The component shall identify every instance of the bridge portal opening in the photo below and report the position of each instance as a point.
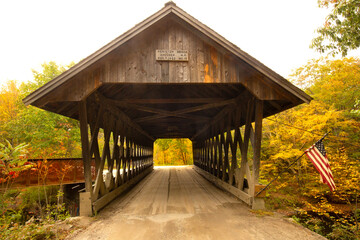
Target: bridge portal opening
(173, 152)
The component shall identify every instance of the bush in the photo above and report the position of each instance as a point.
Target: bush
(25, 213)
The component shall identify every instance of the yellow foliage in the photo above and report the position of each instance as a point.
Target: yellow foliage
(173, 152)
(334, 85)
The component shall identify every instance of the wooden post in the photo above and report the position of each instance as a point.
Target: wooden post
(85, 146)
(257, 203)
(216, 159)
(85, 198)
(222, 157)
(257, 139)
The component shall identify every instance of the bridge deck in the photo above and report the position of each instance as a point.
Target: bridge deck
(177, 203)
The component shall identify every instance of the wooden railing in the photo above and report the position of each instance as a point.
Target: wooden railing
(52, 172)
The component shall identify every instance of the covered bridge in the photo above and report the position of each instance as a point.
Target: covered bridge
(170, 76)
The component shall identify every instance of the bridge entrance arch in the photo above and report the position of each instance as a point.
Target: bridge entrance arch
(168, 77)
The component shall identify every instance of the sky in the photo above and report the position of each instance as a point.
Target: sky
(277, 33)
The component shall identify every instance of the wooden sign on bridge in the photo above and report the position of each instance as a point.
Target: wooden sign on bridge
(172, 55)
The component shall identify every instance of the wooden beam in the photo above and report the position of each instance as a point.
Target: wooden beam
(118, 113)
(275, 105)
(64, 106)
(179, 113)
(216, 119)
(221, 115)
(72, 111)
(95, 149)
(244, 168)
(259, 105)
(164, 115)
(85, 145)
(99, 176)
(226, 186)
(179, 123)
(170, 100)
(95, 131)
(103, 201)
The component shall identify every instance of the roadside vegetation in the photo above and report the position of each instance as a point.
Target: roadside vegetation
(26, 133)
(334, 85)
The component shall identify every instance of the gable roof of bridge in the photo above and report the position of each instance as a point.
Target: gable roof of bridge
(41, 97)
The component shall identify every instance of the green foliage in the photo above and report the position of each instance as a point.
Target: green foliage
(12, 162)
(32, 133)
(341, 31)
(31, 231)
(342, 232)
(21, 213)
(12, 158)
(48, 134)
(330, 227)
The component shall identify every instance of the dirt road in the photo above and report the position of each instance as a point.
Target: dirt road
(177, 203)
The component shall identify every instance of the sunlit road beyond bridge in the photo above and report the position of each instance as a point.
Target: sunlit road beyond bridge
(178, 203)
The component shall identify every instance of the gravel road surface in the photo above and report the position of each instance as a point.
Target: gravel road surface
(177, 203)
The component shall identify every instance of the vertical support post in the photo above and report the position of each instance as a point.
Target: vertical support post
(85, 198)
(257, 139)
(211, 160)
(217, 154)
(258, 203)
(220, 157)
(223, 156)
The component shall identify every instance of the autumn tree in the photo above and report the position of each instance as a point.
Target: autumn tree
(173, 152)
(12, 162)
(341, 30)
(48, 134)
(163, 145)
(184, 149)
(334, 86)
(9, 108)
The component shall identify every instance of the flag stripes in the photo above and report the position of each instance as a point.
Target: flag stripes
(318, 157)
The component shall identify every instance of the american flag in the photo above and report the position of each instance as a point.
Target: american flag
(317, 155)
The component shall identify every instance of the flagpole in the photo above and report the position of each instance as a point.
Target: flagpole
(279, 174)
(288, 167)
(322, 137)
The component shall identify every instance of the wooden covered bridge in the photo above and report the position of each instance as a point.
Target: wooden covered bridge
(170, 76)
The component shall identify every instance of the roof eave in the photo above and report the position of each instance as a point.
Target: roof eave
(242, 55)
(62, 78)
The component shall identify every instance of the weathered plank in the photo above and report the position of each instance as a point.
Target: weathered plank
(85, 145)
(226, 186)
(103, 201)
(257, 141)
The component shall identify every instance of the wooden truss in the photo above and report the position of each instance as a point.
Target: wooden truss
(218, 155)
(126, 155)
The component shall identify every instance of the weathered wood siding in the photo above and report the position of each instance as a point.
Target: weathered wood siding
(136, 61)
